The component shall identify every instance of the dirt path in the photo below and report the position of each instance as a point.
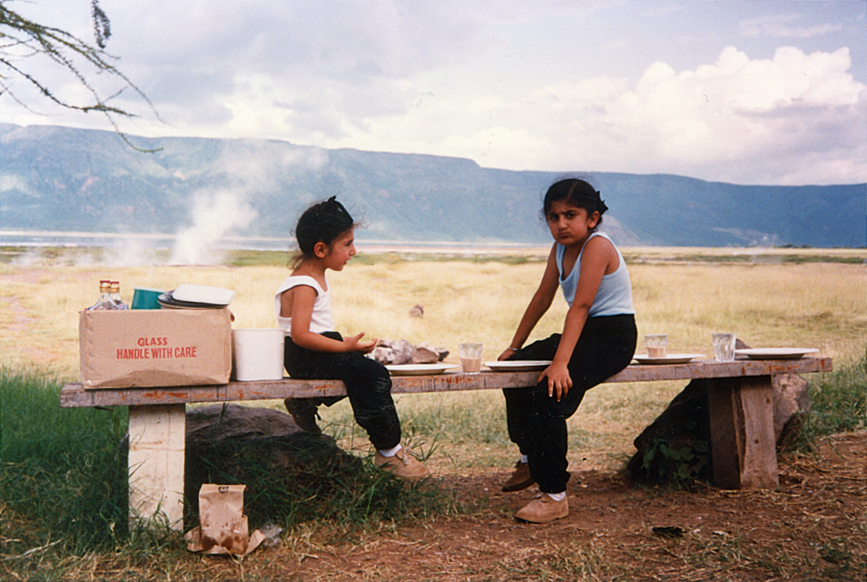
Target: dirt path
(811, 528)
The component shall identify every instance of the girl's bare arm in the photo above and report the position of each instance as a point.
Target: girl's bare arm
(538, 306)
(299, 302)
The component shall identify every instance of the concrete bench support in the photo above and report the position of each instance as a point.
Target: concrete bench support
(156, 464)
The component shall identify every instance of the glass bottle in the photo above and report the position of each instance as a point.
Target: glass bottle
(105, 301)
(114, 292)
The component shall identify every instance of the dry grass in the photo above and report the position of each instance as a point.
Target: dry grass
(470, 296)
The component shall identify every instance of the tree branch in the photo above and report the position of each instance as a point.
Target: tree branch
(22, 39)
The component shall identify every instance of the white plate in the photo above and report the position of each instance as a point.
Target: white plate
(203, 294)
(518, 365)
(775, 353)
(668, 359)
(417, 369)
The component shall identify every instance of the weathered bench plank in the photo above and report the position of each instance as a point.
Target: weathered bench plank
(74, 395)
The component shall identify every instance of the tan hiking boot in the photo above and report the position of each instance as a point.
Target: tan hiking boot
(304, 413)
(402, 465)
(520, 479)
(543, 510)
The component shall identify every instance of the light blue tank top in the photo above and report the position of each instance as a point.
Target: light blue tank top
(614, 296)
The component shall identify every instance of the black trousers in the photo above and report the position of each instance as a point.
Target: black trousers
(368, 386)
(537, 422)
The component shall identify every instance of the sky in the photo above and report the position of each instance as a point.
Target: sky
(747, 92)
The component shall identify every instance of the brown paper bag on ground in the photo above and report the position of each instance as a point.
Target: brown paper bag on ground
(223, 527)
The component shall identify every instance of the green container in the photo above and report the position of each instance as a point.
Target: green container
(146, 298)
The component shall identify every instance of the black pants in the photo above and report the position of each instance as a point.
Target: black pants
(368, 386)
(537, 422)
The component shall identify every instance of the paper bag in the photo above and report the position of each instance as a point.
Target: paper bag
(223, 527)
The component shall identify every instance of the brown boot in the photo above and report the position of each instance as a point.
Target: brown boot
(402, 465)
(520, 479)
(543, 510)
(304, 413)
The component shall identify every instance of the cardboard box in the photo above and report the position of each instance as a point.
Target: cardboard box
(166, 347)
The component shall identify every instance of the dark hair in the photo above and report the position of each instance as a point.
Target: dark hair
(323, 222)
(577, 192)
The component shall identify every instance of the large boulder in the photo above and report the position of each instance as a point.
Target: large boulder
(232, 444)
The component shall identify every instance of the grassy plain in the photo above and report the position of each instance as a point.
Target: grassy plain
(770, 298)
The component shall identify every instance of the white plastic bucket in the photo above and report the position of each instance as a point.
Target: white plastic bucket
(257, 354)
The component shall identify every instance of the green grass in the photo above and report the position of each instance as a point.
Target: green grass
(63, 482)
(63, 473)
(838, 403)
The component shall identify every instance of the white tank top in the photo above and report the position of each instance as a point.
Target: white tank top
(321, 319)
(614, 296)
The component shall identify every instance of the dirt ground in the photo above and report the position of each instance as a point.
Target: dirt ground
(811, 528)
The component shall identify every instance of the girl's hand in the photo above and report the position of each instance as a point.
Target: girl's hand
(507, 353)
(559, 380)
(354, 344)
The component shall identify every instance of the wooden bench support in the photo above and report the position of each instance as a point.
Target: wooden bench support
(743, 447)
(157, 436)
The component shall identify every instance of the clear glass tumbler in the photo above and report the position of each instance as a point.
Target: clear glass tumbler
(471, 357)
(724, 347)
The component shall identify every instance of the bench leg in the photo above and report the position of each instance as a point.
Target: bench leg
(743, 446)
(156, 465)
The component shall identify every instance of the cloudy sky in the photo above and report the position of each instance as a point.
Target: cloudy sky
(750, 92)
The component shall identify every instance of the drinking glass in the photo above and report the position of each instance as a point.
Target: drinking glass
(656, 344)
(724, 347)
(471, 357)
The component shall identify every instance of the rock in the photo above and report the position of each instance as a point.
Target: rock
(400, 352)
(425, 354)
(236, 444)
(215, 423)
(416, 311)
(403, 352)
(676, 446)
(791, 402)
(384, 355)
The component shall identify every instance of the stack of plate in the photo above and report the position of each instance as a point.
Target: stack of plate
(196, 297)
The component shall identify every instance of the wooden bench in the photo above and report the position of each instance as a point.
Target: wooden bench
(743, 446)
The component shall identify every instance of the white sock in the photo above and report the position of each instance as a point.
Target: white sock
(390, 452)
(524, 459)
(557, 496)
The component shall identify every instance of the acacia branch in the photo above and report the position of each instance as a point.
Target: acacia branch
(22, 39)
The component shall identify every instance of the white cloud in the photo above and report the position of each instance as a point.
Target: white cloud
(804, 115)
(782, 26)
(13, 182)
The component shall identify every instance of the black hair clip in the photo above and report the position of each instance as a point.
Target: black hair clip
(600, 204)
(332, 206)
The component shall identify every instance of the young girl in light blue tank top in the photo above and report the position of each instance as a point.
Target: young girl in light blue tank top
(598, 340)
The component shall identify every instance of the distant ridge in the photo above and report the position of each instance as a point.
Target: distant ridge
(63, 179)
